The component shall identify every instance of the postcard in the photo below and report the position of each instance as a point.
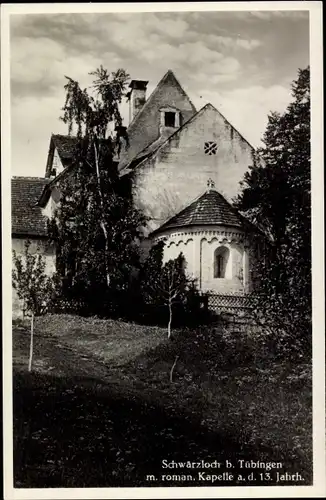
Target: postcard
(163, 258)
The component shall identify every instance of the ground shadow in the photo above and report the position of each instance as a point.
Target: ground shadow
(78, 432)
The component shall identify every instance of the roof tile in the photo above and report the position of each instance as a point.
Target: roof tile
(27, 218)
(209, 209)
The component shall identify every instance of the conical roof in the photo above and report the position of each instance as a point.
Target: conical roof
(211, 208)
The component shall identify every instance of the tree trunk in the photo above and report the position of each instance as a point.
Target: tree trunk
(170, 319)
(102, 222)
(173, 367)
(31, 344)
(106, 251)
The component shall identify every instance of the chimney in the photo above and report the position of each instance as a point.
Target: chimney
(136, 97)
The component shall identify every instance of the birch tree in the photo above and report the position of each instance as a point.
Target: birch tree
(95, 225)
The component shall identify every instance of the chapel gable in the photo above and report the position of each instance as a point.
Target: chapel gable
(166, 110)
(166, 179)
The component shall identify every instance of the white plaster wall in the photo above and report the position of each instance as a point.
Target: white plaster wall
(49, 208)
(182, 245)
(57, 164)
(237, 260)
(208, 249)
(232, 282)
(198, 246)
(178, 173)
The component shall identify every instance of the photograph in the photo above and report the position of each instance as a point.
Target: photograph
(162, 174)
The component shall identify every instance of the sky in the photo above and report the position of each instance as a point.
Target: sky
(241, 62)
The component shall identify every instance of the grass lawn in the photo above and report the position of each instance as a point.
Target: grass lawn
(99, 408)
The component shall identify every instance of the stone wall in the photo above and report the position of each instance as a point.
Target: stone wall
(145, 128)
(198, 246)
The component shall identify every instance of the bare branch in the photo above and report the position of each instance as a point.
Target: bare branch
(173, 367)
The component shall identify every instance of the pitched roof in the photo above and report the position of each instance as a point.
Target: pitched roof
(168, 77)
(144, 128)
(159, 143)
(144, 153)
(26, 217)
(156, 145)
(66, 146)
(211, 208)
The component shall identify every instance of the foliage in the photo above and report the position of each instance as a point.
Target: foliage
(167, 291)
(95, 226)
(151, 272)
(172, 283)
(33, 286)
(91, 115)
(276, 197)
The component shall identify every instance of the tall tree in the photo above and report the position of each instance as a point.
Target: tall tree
(95, 226)
(276, 196)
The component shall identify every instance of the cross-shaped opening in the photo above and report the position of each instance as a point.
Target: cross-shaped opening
(210, 148)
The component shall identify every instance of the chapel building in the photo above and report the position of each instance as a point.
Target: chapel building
(182, 167)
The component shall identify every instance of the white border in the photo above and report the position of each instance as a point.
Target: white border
(319, 488)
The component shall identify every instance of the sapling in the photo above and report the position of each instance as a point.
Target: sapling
(33, 286)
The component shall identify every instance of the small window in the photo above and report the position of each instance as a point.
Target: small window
(169, 119)
(220, 266)
(221, 256)
(210, 148)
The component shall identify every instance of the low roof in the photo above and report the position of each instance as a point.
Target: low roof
(211, 208)
(26, 217)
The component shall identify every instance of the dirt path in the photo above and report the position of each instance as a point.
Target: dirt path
(54, 358)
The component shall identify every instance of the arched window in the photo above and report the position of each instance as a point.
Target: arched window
(221, 257)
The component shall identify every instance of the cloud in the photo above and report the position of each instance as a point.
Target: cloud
(33, 119)
(241, 62)
(247, 108)
(247, 44)
(173, 28)
(38, 66)
(31, 60)
(233, 42)
(266, 15)
(227, 69)
(257, 16)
